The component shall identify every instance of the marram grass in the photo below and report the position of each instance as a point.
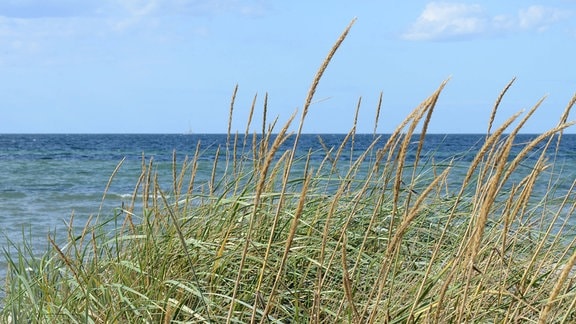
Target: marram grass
(380, 238)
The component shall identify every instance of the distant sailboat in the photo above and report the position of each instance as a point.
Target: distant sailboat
(189, 132)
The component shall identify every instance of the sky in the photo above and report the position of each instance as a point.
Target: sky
(170, 66)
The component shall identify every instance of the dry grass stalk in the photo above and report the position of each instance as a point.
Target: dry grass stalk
(353, 131)
(497, 104)
(289, 240)
(316, 81)
(264, 114)
(416, 117)
(556, 289)
(230, 115)
(346, 282)
(249, 121)
(392, 248)
(344, 184)
(280, 138)
(377, 118)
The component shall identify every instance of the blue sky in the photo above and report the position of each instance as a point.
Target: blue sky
(170, 66)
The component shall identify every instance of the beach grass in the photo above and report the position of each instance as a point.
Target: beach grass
(389, 236)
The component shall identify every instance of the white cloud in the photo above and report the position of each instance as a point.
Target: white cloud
(447, 20)
(452, 20)
(51, 30)
(22, 19)
(539, 17)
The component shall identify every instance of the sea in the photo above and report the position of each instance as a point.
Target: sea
(45, 179)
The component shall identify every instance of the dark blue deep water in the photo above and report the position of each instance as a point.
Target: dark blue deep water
(44, 179)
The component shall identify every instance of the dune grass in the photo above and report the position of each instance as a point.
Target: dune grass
(390, 236)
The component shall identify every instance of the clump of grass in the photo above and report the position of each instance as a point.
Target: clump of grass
(276, 238)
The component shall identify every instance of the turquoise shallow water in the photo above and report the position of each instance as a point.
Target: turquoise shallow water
(46, 178)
